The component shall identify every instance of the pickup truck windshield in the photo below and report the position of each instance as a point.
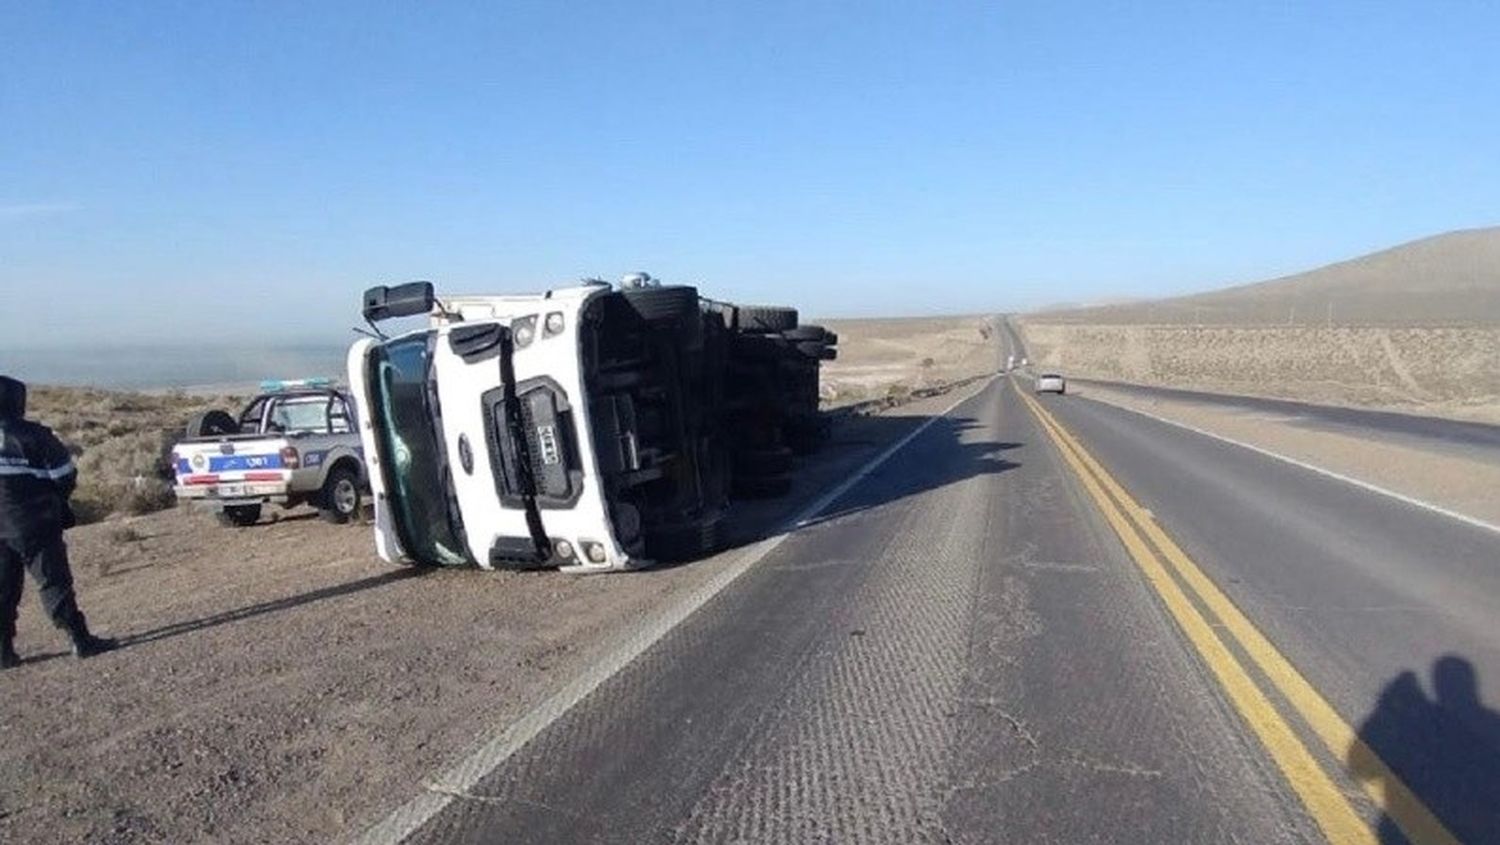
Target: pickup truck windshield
(411, 459)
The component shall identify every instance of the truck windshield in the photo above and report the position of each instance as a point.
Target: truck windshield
(412, 460)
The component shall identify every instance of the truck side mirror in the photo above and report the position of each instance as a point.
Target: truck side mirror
(406, 300)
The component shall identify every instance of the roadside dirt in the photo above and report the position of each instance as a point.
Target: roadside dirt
(1468, 486)
(892, 357)
(281, 684)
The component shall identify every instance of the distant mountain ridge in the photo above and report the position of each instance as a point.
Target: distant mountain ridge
(1452, 279)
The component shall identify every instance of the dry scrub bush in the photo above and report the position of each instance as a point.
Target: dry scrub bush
(121, 443)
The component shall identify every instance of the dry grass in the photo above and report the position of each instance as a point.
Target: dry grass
(121, 443)
(1453, 371)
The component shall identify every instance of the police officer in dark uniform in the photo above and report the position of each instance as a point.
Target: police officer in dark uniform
(36, 478)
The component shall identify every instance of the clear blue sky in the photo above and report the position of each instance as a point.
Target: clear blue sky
(206, 169)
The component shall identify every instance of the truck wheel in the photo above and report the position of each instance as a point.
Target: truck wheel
(213, 423)
(339, 500)
(763, 462)
(762, 486)
(806, 332)
(238, 516)
(764, 319)
(685, 542)
(663, 304)
(751, 347)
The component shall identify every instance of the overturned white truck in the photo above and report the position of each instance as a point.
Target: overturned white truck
(583, 428)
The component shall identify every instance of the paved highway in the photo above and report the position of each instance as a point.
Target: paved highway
(1046, 621)
(1474, 440)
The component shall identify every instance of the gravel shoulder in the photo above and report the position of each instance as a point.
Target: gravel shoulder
(1465, 484)
(281, 684)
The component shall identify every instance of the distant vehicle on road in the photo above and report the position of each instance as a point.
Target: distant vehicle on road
(1051, 383)
(296, 442)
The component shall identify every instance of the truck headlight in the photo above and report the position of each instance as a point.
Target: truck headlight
(524, 331)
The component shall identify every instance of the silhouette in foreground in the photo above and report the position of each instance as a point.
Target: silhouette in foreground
(1446, 750)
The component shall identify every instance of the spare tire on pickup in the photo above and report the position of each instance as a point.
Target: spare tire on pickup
(215, 423)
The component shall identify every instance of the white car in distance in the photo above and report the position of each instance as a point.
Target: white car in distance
(1051, 383)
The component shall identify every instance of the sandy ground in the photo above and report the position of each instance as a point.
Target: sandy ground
(1468, 486)
(1449, 372)
(882, 357)
(281, 684)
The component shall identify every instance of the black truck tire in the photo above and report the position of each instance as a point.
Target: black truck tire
(685, 542)
(664, 304)
(761, 486)
(215, 423)
(763, 462)
(806, 332)
(817, 351)
(765, 319)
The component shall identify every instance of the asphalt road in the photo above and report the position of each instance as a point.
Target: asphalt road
(967, 646)
(958, 650)
(1473, 440)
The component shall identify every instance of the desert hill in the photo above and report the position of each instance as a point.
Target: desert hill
(1447, 279)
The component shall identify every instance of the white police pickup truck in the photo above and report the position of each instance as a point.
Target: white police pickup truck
(298, 441)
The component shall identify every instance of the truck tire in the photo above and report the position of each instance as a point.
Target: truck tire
(762, 486)
(685, 542)
(763, 462)
(756, 347)
(817, 350)
(215, 423)
(656, 305)
(765, 319)
(238, 516)
(806, 333)
(339, 500)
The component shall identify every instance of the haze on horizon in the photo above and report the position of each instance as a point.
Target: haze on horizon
(187, 172)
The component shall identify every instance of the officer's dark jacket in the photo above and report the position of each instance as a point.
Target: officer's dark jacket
(36, 472)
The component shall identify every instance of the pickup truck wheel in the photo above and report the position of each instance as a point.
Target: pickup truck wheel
(238, 516)
(340, 497)
(212, 424)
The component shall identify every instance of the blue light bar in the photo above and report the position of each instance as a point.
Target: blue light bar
(279, 385)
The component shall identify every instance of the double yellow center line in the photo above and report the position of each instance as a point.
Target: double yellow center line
(1155, 552)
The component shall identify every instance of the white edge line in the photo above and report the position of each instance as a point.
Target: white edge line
(443, 789)
(1364, 485)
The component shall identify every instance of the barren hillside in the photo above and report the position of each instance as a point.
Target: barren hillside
(880, 357)
(1447, 279)
(1414, 328)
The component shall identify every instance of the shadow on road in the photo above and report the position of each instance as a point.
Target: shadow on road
(1445, 749)
(946, 453)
